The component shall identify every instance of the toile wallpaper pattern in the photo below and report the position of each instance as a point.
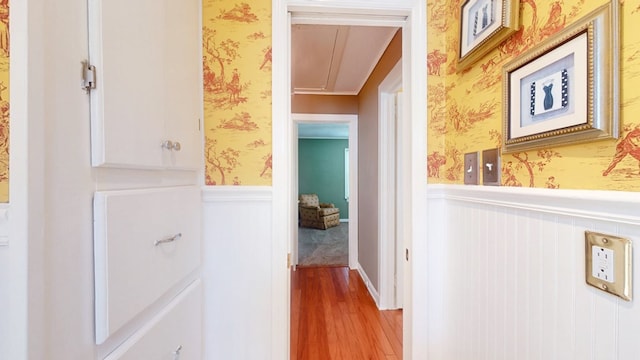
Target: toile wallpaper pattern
(237, 92)
(465, 109)
(4, 101)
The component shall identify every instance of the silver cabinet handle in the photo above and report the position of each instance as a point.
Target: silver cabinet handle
(177, 146)
(168, 240)
(176, 353)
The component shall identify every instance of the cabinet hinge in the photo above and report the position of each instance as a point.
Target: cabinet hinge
(88, 76)
(288, 260)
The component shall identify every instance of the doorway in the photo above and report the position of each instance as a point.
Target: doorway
(351, 121)
(411, 16)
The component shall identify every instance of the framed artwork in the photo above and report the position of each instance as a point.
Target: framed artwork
(566, 90)
(483, 25)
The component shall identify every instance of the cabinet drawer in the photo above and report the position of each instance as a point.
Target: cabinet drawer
(145, 242)
(174, 334)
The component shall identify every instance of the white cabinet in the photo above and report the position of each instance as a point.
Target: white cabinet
(147, 55)
(145, 243)
(171, 335)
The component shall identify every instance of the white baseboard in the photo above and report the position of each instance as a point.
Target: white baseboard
(344, 220)
(372, 290)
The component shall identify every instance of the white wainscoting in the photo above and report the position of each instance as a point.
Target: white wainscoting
(506, 274)
(237, 245)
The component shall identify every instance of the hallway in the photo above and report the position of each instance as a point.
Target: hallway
(334, 317)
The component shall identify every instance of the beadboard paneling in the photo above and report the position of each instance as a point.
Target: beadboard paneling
(236, 274)
(506, 275)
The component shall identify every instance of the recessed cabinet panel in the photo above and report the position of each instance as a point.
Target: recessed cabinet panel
(145, 242)
(148, 66)
(175, 333)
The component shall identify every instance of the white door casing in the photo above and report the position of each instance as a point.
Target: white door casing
(352, 121)
(389, 189)
(411, 16)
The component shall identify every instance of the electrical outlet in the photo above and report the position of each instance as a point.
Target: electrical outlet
(602, 264)
(608, 263)
(471, 168)
(491, 167)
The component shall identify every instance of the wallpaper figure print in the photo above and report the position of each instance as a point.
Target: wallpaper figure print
(223, 162)
(240, 12)
(4, 101)
(236, 47)
(435, 161)
(240, 122)
(435, 59)
(628, 145)
(533, 166)
(221, 91)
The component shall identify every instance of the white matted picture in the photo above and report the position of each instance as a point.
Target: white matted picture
(551, 94)
(483, 25)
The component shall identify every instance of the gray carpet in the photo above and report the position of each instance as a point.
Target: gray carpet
(323, 247)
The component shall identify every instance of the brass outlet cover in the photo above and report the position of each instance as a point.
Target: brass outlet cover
(618, 279)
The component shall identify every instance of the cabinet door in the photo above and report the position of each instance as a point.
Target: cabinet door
(184, 95)
(147, 58)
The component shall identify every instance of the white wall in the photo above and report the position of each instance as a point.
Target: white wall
(237, 275)
(506, 275)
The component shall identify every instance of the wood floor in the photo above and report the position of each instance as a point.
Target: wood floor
(333, 317)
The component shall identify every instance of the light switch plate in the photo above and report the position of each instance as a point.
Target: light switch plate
(608, 263)
(471, 168)
(491, 167)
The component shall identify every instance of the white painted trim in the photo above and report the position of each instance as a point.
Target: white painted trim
(26, 318)
(613, 206)
(387, 187)
(372, 290)
(415, 330)
(414, 74)
(215, 194)
(352, 120)
(281, 180)
(4, 224)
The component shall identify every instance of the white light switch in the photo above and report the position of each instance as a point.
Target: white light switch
(602, 265)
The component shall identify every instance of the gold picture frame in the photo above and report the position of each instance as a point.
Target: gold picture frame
(566, 90)
(483, 25)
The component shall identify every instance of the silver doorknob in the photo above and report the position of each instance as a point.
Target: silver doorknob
(177, 146)
(167, 144)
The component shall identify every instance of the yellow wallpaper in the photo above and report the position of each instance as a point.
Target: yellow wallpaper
(237, 91)
(465, 109)
(4, 100)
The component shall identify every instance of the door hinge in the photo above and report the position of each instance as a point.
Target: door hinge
(288, 260)
(88, 76)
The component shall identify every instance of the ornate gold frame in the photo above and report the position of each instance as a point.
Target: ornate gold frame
(508, 23)
(602, 84)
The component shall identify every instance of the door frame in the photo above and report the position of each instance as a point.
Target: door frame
(389, 191)
(352, 121)
(411, 16)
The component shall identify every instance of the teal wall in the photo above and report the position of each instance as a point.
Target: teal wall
(321, 171)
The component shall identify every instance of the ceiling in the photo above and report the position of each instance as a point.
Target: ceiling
(335, 60)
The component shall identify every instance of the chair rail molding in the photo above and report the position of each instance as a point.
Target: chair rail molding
(614, 206)
(215, 194)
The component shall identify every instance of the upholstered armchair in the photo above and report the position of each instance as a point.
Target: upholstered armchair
(315, 214)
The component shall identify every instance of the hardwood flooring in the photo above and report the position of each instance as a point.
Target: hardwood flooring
(333, 317)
